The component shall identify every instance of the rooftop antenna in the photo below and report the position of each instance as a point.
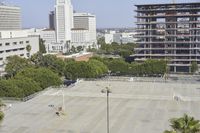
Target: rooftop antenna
(173, 1)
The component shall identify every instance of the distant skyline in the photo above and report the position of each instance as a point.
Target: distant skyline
(109, 13)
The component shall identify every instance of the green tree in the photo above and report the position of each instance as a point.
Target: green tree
(99, 66)
(125, 53)
(42, 48)
(194, 67)
(1, 112)
(43, 76)
(9, 89)
(101, 41)
(118, 66)
(16, 64)
(28, 48)
(49, 61)
(185, 124)
(79, 48)
(26, 85)
(19, 87)
(73, 49)
(91, 69)
(1, 115)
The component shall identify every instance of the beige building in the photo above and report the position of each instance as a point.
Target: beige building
(10, 17)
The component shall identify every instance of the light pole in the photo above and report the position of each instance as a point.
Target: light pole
(63, 103)
(107, 91)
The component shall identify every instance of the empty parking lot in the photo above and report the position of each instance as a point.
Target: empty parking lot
(135, 107)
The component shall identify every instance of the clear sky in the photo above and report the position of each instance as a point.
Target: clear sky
(109, 13)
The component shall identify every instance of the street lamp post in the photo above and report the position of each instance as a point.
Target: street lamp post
(107, 91)
(63, 103)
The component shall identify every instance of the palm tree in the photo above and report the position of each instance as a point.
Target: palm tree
(185, 124)
(28, 49)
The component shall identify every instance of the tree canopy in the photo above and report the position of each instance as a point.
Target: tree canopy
(43, 76)
(16, 64)
(185, 124)
(49, 61)
(42, 48)
(91, 69)
(148, 68)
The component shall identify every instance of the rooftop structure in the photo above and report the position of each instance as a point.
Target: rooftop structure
(170, 32)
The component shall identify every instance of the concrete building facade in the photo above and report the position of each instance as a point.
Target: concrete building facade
(64, 20)
(10, 17)
(120, 38)
(17, 46)
(86, 21)
(81, 37)
(170, 32)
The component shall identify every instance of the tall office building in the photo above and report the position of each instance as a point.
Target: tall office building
(86, 21)
(52, 20)
(171, 32)
(64, 20)
(10, 17)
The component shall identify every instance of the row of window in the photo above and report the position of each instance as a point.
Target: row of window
(14, 43)
(10, 50)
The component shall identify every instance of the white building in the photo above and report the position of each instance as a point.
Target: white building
(80, 37)
(108, 38)
(87, 22)
(48, 36)
(120, 38)
(64, 20)
(56, 47)
(10, 17)
(17, 46)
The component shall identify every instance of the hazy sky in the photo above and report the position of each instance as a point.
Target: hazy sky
(109, 13)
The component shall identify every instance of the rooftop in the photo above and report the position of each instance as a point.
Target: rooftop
(193, 3)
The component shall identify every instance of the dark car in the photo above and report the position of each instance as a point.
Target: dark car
(69, 82)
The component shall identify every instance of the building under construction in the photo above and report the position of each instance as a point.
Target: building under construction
(170, 32)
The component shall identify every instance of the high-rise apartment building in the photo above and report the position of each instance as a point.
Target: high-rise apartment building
(86, 21)
(10, 17)
(52, 20)
(64, 20)
(170, 32)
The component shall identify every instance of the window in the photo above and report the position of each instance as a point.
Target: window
(8, 51)
(7, 44)
(15, 49)
(27, 41)
(21, 48)
(21, 42)
(0, 44)
(14, 43)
